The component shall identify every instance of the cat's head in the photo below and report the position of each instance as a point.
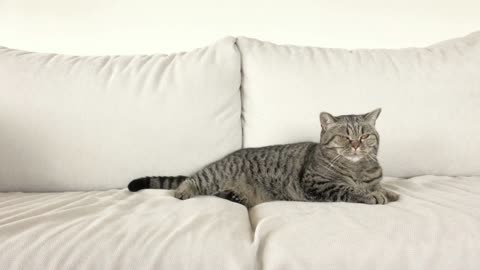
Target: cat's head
(353, 137)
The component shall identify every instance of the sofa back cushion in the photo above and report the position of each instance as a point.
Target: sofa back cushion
(430, 98)
(85, 123)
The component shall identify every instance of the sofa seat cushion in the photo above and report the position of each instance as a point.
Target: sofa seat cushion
(434, 225)
(116, 229)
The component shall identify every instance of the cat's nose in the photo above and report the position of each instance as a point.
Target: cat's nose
(355, 144)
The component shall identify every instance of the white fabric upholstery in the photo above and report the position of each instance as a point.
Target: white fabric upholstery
(90, 123)
(117, 229)
(434, 225)
(430, 99)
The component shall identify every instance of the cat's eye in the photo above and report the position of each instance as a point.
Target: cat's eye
(365, 136)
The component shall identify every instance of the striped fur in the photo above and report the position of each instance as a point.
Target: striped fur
(342, 167)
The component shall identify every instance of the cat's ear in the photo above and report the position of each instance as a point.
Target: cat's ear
(372, 116)
(327, 120)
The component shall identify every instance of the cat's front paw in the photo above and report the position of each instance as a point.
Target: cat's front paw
(374, 197)
(380, 198)
(391, 196)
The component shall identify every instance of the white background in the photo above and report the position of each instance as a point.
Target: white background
(150, 26)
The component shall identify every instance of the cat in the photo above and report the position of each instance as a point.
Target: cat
(342, 167)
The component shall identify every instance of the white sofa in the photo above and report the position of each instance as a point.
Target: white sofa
(75, 130)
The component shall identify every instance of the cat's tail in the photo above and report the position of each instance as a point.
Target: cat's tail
(157, 182)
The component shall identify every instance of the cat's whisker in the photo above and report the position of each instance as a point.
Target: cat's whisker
(371, 157)
(327, 167)
(330, 164)
(335, 159)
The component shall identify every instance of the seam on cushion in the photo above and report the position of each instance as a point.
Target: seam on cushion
(258, 247)
(242, 94)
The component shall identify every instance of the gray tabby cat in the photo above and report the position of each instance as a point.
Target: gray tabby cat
(342, 167)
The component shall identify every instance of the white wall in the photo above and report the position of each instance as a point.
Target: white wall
(149, 26)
